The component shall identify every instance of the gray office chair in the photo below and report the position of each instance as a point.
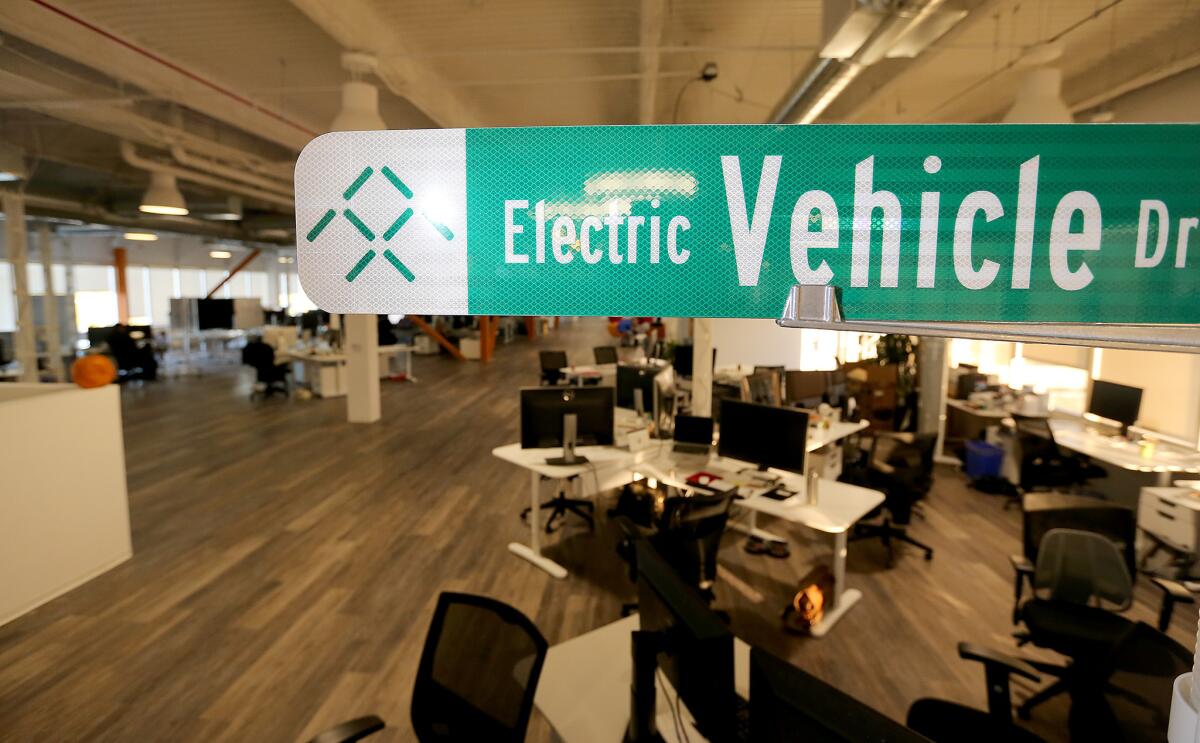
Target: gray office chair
(1079, 583)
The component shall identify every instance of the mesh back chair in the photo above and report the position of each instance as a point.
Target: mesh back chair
(552, 362)
(478, 672)
(1042, 463)
(901, 465)
(689, 537)
(605, 354)
(762, 388)
(1081, 579)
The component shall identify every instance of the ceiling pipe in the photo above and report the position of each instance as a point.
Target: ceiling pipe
(100, 215)
(183, 157)
(825, 78)
(130, 156)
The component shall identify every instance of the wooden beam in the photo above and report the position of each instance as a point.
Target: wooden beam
(441, 340)
(122, 285)
(244, 262)
(485, 338)
(531, 327)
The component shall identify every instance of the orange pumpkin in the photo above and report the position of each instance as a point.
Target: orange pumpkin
(94, 370)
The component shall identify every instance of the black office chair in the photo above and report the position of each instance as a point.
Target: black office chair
(688, 536)
(477, 676)
(1130, 700)
(605, 354)
(273, 377)
(1043, 464)
(1042, 512)
(562, 504)
(1080, 583)
(552, 362)
(901, 465)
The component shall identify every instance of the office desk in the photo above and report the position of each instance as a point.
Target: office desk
(583, 691)
(839, 505)
(324, 373)
(606, 373)
(387, 358)
(1164, 463)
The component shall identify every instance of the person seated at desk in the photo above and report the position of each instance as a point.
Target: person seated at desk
(383, 325)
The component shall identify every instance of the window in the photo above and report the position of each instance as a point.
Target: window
(161, 291)
(191, 283)
(137, 286)
(8, 300)
(95, 296)
(213, 278)
(298, 301)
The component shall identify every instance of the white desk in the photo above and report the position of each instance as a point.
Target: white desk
(325, 373)
(387, 358)
(583, 691)
(578, 373)
(839, 505)
(1164, 462)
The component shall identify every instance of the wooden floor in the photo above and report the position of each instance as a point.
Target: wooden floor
(286, 565)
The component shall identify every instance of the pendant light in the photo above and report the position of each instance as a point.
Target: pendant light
(163, 196)
(360, 100)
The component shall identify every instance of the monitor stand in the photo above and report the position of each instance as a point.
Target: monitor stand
(642, 692)
(639, 403)
(570, 433)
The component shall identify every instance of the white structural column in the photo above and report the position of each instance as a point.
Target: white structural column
(702, 367)
(50, 304)
(361, 346)
(15, 238)
(653, 16)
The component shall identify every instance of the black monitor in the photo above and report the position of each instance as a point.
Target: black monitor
(631, 377)
(214, 314)
(97, 337)
(6, 348)
(788, 704)
(141, 332)
(1115, 402)
(694, 429)
(313, 319)
(764, 435)
(684, 638)
(543, 413)
(683, 360)
(605, 354)
(970, 382)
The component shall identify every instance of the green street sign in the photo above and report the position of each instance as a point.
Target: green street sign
(965, 223)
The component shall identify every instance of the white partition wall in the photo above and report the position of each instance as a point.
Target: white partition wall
(64, 508)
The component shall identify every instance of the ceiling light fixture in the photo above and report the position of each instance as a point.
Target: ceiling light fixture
(220, 254)
(286, 259)
(163, 196)
(143, 237)
(232, 212)
(360, 100)
(12, 163)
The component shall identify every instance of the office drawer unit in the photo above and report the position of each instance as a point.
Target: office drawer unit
(1172, 515)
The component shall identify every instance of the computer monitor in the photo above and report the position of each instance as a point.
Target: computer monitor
(970, 382)
(688, 642)
(693, 429)
(787, 704)
(1115, 402)
(683, 360)
(547, 414)
(605, 354)
(97, 336)
(214, 314)
(634, 378)
(764, 435)
(6, 348)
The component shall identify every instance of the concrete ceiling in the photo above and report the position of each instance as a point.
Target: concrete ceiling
(247, 84)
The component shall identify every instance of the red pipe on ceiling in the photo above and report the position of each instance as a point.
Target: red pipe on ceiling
(171, 65)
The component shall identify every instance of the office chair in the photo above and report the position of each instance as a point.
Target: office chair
(1079, 583)
(806, 389)
(476, 679)
(1129, 701)
(688, 536)
(1043, 464)
(901, 465)
(272, 376)
(560, 505)
(762, 388)
(552, 362)
(605, 354)
(1042, 512)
